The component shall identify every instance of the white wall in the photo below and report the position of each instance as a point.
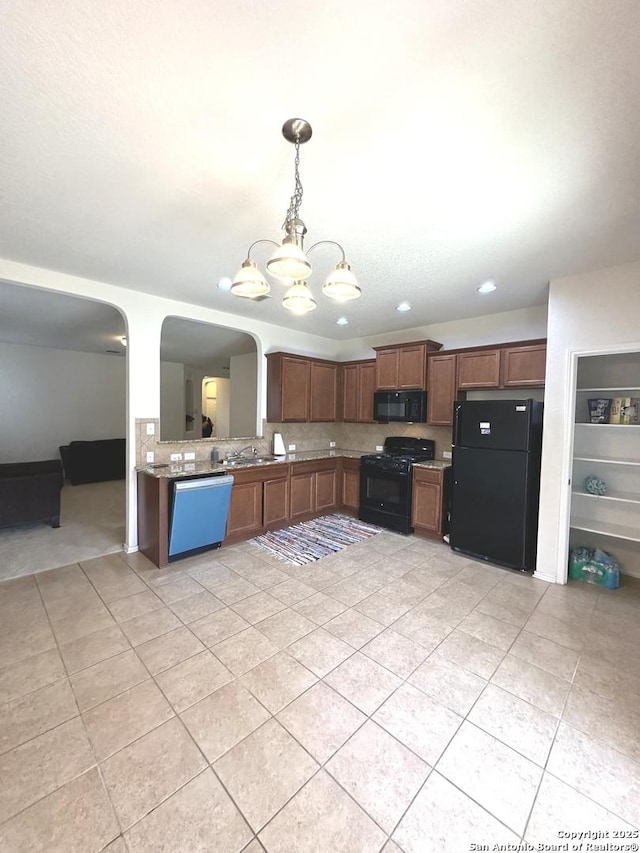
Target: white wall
(522, 325)
(222, 424)
(51, 397)
(243, 375)
(171, 400)
(593, 313)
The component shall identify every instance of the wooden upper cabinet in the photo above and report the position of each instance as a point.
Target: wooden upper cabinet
(514, 365)
(301, 389)
(387, 370)
(403, 366)
(367, 376)
(524, 366)
(350, 392)
(412, 367)
(358, 385)
(323, 404)
(295, 389)
(479, 369)
(288, 388)
(441, 389)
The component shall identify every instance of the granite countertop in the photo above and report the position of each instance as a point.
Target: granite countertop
(440, 464)
(174, 470)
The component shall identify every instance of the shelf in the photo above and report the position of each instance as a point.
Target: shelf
(617, 531)
(623, 497)
(605, 390)
(607, 426)
(606, 461)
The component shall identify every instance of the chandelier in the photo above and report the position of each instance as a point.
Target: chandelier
(289, 262)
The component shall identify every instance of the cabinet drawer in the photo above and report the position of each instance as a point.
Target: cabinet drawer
(427, 475)
(259, 473)
(312, 466)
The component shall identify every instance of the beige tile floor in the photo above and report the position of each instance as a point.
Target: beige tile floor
(393, 697)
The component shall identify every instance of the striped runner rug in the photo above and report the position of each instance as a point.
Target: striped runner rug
(310, 540)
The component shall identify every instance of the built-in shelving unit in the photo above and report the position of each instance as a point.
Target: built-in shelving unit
(611, 452)
(616, 531)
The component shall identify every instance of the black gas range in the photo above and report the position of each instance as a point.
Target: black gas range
(385, 481)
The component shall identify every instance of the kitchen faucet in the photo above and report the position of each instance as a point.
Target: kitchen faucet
(239, 454)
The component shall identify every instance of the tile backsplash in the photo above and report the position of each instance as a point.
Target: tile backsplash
(364, 437)
(306, 437)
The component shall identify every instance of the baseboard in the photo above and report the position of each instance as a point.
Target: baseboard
(545, 577)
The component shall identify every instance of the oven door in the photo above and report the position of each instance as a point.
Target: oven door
(385, 498)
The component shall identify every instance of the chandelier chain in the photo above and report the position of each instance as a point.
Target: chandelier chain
(296, 198)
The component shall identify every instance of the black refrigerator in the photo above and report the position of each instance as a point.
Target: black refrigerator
(497, 445)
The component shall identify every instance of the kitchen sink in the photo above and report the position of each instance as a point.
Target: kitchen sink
(250, 460)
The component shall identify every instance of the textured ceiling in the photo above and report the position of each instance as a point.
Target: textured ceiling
(453, 142)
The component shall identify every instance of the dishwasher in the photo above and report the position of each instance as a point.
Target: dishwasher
(198, 514)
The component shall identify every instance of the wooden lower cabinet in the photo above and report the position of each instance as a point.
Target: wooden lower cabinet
(427, 512)
(302, 495)
(314, 488)
(259, 500)
(245, 510)
(326, 496)
(262, 498)
(153, 518)
(276, 501)
(350, 485)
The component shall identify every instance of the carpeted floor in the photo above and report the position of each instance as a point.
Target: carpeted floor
(92, 524)
(310, 540)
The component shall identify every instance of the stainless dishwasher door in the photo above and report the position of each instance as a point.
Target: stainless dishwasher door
(199, 513)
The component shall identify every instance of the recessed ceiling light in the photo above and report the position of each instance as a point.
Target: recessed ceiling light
(487, 287)
(403, 306)
(225, 284)
(342, 321)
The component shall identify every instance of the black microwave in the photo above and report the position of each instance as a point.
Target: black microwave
(406, 406)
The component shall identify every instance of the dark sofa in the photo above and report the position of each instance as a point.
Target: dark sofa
(94, 461)
(30, 491)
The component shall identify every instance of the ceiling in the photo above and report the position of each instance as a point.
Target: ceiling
(452, 143)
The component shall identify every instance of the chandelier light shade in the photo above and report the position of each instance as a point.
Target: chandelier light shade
(250, 282)
(298, 299)
(289, 263)
(341, 284)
